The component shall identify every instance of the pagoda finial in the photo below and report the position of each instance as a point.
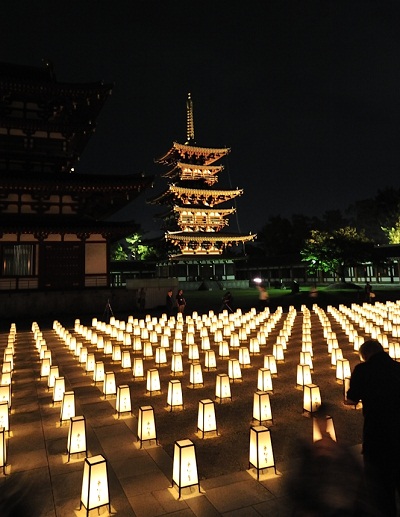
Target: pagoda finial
(189, 121)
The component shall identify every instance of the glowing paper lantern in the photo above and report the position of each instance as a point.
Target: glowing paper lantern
(264, 380)
(95, 492)
(123, 402)
(137, 368)
(174, 396)
(98, 374)
(270, 363)
(261, 454)
(146, 425)
(342, 369)
(206, 420)
(3, 449)
(234, 370)
(261, 407)
(109, 385)
(303, 374)
(90, 362)
(67, 406)
(5, 394)
(54, 373)
(222, 387)
(184, 469)
(210, 362)
(244, 357)
(153, 381)
(195, 375)
(4, 416)
(176, 364)
(126, 359)
(58, 389)
(311, 398)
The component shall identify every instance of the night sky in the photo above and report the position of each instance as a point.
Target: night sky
(306, 94)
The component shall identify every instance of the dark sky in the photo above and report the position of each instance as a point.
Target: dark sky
(306, 93)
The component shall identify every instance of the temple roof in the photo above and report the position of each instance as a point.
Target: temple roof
(43, 226)
(66, 182)
(193, 154)
(193, 196)
(188, 208)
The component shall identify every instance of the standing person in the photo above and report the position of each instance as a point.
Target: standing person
(142, 299)
(368, 292)
(227, 301)
(376, 382)
(180, 301)
(263, 298)
(169, 303)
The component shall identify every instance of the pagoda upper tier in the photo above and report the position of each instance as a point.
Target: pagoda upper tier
(188, 172)
(195, 196)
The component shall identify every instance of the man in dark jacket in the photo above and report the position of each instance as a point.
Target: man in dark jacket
(376, 382)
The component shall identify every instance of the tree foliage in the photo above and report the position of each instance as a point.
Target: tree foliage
(333, 251)
(132, 248)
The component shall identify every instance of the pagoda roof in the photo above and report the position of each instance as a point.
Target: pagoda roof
(194, 196)
(187, 171)
(42, 226)
(184, 237)
(193, 154)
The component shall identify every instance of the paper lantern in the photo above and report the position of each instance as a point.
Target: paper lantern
(176, 364)
(116, 353)
(45, 368)
(146, 425)
(337, 353)
(147, 350)
(137, 368)
(261, 407)
(5, 394)
(161, 356)
(205, 343)
(109, 385)
(6, 378)
(123, 402)
(264, 380)
(311, 398)
(4, 416)
(244, 357)
(206, 420)
(54, 373)
(342, 369)
(193, 353)
(303, 375)
(278, 352)
(67, 406)
(153, 381)
(177, 346)
(305, 358)
(222, 387)
(254, 346)
(184, 469)
(3, 449)
(261, 454)
(323, 426)
(270, 363)
(210, 362)
(223, 350)
(83, 355)
(98, 373)
(174, 396)
(196, 375)
(234, 370)
(58, 389)
(126, 359)
(95, 492)
(90, 362)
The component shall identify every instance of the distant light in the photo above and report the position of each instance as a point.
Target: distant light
(257, 280)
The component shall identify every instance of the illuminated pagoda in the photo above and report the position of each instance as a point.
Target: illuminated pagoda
(55, 228)
(195, 224)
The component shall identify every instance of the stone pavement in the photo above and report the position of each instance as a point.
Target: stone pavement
(41, 482)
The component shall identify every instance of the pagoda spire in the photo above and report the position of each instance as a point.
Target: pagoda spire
(189, 121)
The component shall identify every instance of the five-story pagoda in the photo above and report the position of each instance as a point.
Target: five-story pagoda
(195, 223)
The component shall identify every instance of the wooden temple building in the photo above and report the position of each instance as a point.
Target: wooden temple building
(196, 220)
(54, 227)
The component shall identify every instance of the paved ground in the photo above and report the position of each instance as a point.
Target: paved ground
(42, 481)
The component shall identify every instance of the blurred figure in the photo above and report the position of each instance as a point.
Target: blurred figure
(368, 292)
(180, 301)
(327, 481)
(376, 382)
(227, 302)
(169, 303)
(263, 297)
